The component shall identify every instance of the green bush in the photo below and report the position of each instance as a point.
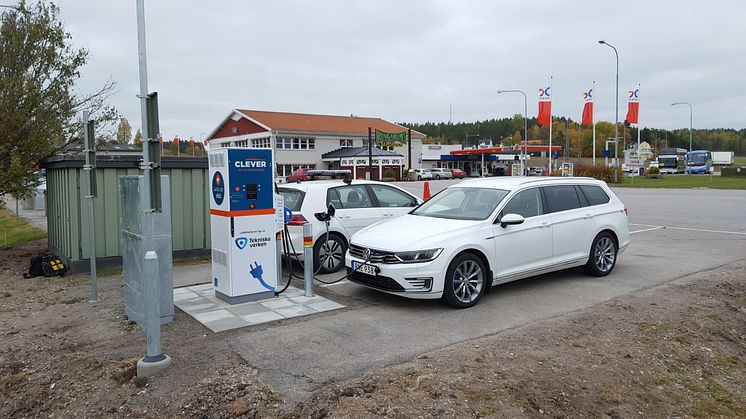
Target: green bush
(653, 171)
(389, 173)
(598, 172)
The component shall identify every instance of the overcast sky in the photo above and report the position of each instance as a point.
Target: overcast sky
(408, 61)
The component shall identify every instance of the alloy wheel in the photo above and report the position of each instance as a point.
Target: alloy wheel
(604, 254)
(331, 254)
(468, 281)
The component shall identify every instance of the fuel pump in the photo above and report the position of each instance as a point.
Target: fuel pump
(243, 224)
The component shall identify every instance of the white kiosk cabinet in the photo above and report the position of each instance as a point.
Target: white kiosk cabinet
(242, 221)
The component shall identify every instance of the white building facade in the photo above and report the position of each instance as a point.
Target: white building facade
(300, 140)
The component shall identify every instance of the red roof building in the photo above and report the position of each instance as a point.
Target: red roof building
(300, 140)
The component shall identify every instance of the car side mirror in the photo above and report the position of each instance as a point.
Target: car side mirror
(511, 219)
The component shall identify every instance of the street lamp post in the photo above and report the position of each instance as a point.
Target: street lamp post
(616, 117)
(525, 126)
(690, 120)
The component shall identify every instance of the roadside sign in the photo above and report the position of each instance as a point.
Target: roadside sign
(515, 170)
(567, 169)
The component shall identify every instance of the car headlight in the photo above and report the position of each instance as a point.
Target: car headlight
(418, 255)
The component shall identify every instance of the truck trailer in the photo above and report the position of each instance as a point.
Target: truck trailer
(722, 158)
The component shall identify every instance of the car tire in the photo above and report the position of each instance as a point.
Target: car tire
(437, 177)
(602, 258)
(336, 247)
(466, 280)
(419, 177)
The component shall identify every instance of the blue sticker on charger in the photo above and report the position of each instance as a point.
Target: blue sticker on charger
(218, 188)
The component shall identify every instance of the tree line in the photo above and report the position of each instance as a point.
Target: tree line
(575, 139)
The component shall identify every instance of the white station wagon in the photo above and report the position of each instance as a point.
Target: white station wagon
(484, 232)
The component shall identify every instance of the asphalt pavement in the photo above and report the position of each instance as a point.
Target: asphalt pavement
(675, 233)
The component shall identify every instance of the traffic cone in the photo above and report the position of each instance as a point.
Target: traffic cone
(426, 191)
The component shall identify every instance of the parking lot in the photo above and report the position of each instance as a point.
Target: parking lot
(675, 233)
(527, 344)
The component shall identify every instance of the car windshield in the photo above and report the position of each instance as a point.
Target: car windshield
(667, 162)
(462, 203)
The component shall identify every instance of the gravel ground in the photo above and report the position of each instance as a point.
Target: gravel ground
(676, 350)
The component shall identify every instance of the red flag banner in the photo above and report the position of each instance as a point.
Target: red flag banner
(633, 109)
(587, 108)
(545, 107)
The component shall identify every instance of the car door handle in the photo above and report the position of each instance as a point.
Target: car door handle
(344, 217)
(544, 225)
(388, 214)
(587, 216)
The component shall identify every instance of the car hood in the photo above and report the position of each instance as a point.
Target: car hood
(412, 232)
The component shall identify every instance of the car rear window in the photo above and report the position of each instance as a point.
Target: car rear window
(594, 194)
(293, 198)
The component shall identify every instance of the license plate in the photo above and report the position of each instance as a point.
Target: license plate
(366, 269)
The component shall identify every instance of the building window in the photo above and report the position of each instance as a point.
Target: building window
(260, 143)
(296, 143)
(287, 169)
(242, 143)
(345, 142)
(389, 148)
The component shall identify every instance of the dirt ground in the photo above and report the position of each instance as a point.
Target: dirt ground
(677, 350)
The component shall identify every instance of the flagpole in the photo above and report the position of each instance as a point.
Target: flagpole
(638, 120)
(551, 85)
(593, 122)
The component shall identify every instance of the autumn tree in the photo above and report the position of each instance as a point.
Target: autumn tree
(124, 131)
(39, 108)
(138, 138)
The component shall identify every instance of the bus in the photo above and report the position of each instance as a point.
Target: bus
(672, 160)
(699, 161)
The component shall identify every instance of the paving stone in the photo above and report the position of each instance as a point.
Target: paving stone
(295, 311)
(276, 303)
(211, 316)
(185, 296)
(307, 300)
(227, 324)
(249, 308)
(326, 306)
(265, 317)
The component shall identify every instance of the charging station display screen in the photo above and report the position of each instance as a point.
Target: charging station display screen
(251, 191)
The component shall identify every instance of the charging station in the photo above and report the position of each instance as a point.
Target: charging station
(243, 224)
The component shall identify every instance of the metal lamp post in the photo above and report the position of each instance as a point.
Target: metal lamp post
(616, 117)
(690, 120)
(525, 126)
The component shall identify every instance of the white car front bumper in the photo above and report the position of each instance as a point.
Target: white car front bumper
(412, 280)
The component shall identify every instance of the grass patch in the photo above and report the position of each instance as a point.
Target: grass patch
(16, 231)
(192, 261)
(684, 182)
(106, 272)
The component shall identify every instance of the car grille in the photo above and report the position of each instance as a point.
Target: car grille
(376, 256)
(379, 281)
